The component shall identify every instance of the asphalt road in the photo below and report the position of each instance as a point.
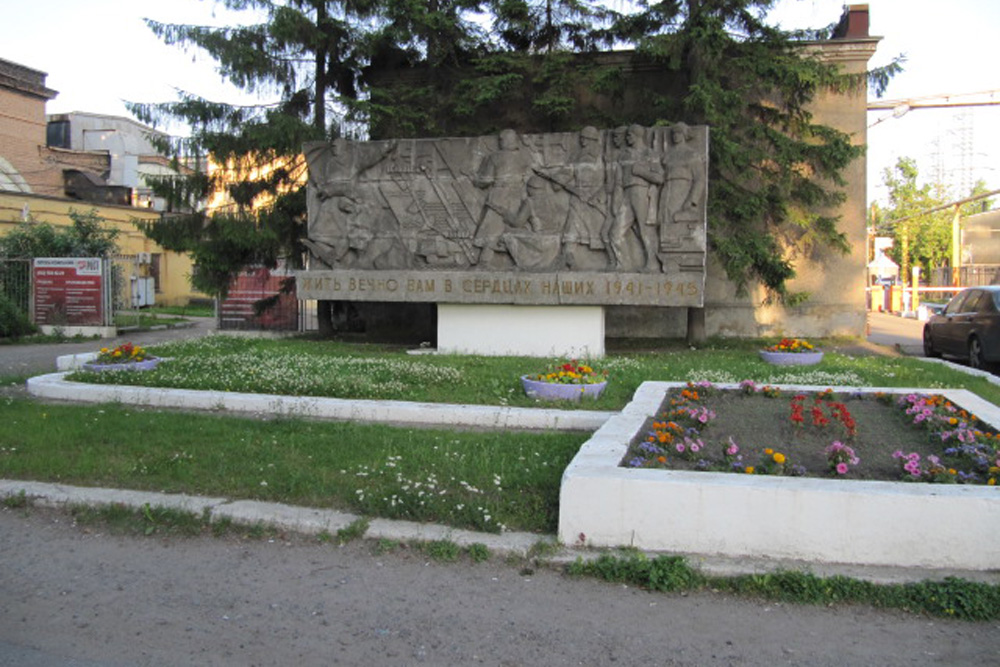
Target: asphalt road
(70, 596)
(75, 597)
(27, 360)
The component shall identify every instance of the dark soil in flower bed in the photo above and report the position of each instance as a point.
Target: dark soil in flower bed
(757, 422)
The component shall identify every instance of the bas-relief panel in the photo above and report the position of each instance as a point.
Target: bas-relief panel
(543, 208)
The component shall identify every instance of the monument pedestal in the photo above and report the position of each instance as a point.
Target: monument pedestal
(527, 331)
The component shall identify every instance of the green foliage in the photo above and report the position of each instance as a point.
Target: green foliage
(353, 531)
(86, 237)
(478, 552)
(950, 598)
(663, 573)
(14, 322)
(922, 240)
(443, 550)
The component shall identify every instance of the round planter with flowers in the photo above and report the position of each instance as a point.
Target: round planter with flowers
(125, 357)
(568, 382)
(792, 352)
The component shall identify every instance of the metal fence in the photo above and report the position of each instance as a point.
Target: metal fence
(968, 276)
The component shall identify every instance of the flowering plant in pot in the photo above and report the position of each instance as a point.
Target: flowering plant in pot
(569, 380)
(124, 356)
(792, 352)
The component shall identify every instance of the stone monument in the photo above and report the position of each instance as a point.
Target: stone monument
(529, 222)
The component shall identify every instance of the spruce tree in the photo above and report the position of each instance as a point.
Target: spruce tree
(304, 52)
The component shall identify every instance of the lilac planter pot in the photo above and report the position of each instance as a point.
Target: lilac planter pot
(792, 358)
(548, 391)
(146, 365)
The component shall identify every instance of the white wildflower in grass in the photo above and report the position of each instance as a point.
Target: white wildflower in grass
(713, 376)
(818, 377)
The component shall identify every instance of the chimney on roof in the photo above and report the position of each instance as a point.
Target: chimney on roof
(853, 23)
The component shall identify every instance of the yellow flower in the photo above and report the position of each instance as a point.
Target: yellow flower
(952, 471)
(749, 470)
(992, 482)
(779, 457)
(769, 451)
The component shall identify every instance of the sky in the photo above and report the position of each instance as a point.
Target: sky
(98, 53)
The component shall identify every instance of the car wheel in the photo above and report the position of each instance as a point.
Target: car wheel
(929, 350)
(976, 354)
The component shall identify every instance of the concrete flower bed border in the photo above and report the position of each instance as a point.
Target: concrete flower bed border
(818, 520)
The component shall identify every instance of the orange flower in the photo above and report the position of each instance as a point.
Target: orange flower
(661, 459)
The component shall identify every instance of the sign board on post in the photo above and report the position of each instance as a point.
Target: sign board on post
(69, 291)
(237, 310)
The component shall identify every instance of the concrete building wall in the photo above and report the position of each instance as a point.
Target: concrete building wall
(173, 286)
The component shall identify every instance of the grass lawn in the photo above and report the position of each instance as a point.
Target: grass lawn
(465, 479)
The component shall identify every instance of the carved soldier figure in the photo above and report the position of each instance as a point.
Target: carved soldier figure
(503, 173)
(640, 175)
(583, 179)
(682, 212)
(334, 171)
(617, 222)
(534, 237)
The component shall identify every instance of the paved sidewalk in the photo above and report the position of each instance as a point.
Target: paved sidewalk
(20, 360)
(902, 334)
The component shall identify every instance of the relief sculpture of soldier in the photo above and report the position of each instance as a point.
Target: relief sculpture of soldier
(334, 172)
(682, 214)
(560, 202)
(503, 174)
(534, 237)
(641, 174)
(584, 179)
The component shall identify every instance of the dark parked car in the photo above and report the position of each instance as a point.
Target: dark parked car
(968, 328)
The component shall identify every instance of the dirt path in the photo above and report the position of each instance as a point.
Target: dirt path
(72, 597)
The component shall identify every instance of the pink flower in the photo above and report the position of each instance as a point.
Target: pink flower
(841, 468)
(680, 447)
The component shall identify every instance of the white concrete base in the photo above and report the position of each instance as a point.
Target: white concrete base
(818, 520)
(528, 331)
(101, 332)
(72, 362)
(55, 386)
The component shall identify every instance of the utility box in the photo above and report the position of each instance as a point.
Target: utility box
(143, 292)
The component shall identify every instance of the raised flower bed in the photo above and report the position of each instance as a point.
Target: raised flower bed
(770, 513)
(125, 357)
(792, 352)
(569, 381)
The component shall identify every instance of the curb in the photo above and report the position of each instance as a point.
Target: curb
(311, 521)
(55, 386)
(304, 520)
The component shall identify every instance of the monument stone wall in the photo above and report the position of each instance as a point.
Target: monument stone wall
(596, 217)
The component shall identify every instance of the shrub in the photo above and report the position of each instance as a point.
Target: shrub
(14, 323)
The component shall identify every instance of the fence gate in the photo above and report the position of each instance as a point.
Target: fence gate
(133, 288)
